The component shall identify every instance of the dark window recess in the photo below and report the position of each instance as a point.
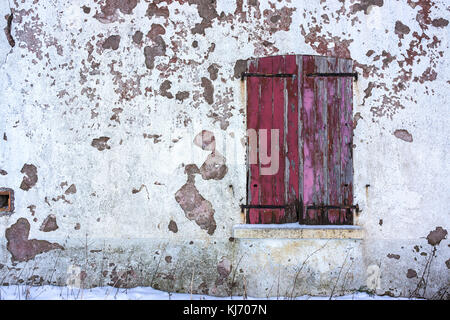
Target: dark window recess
(309, 100)
(6, 200)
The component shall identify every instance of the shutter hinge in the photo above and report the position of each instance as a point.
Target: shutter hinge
(267, 75)
(333, 74)
(328, 207)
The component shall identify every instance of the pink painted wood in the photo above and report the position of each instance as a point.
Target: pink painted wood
(315, 140)
(327, 141)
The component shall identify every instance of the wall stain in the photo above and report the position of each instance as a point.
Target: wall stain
(411, 274)
(436, 236)
(403, 135)
(182, 95)
(224, 268)
(49, 224)
(239, 67)
(7, 29)
(214, 167)
(205, 140)
(173, 226)
(30, 178)
(71, 190)
(108, 11)
(164, 89)
(101, 143)
(23, 249)
(208, 92)
(112, 42)
(365, 5)
(195, 207)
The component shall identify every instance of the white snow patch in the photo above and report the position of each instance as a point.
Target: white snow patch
(47, 292)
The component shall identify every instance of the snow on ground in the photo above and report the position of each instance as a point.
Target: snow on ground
(22, 292)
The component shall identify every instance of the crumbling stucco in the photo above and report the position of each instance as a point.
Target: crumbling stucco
(139, 107)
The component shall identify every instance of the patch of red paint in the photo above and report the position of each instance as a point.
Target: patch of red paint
(20, 247)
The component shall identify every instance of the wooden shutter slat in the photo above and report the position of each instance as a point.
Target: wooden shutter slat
(278, 66)
(347, 142)
(291, 159)
(309, 138)
(253, 86)
(334, 161)
(265, 122)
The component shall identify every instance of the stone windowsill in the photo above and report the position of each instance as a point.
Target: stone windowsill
(296, 231)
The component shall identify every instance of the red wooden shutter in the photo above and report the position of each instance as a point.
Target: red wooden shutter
(326, 135)
(315, 172)
(272, 103)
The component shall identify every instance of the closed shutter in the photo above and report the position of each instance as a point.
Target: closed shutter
(308, 99)
(272, 115)
(326, 134)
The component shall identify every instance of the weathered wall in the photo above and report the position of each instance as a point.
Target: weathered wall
(100, 105)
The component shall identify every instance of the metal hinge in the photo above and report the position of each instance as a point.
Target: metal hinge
(328, 207)
(333, 74)
(262, 206)
(267, 75)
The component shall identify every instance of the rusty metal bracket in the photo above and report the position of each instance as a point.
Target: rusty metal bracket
(262, 206)
(328, 207)
(333, 74)
(267, 75)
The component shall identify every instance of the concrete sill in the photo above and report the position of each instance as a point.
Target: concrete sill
(296, 231)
